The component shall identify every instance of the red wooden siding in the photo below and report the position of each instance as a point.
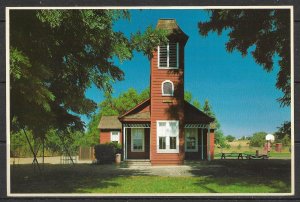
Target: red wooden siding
(167, 107)
(212, 144)
(105, 135)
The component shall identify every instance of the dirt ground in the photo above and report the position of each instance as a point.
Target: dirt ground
(47, 160)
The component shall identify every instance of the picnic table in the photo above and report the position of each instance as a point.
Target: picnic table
(242, 156)
(234, 154)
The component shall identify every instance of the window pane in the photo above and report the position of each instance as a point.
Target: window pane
(162, 124)
(137, 139)
(191, 143)
(162, 142)
(167, 88)
(174, 128)
(115, 136)
(163, 56)
(172, 142)
(138, 144)
(172, 55)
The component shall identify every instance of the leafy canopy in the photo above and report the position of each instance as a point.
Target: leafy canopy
(268, 31)
(56, 55)
(258, 139)
(220, 139)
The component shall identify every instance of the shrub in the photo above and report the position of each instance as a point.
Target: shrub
(230, 138)
(105, 153)
(118, 147)
(258, 139)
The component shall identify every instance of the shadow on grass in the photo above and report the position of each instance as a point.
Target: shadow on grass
(272, 175)
(67, 178)
(219, 176)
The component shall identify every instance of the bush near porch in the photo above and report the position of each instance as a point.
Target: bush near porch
(105, 153)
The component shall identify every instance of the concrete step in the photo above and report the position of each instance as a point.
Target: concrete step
(137, 162)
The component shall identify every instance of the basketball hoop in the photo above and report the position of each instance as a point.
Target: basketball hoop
(270, 137)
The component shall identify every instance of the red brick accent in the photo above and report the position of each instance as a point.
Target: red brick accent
(212, 144)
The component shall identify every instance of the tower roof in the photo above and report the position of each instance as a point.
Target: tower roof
(173, 29)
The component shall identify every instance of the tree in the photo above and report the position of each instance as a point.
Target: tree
(268, 30)
(189, 98)
(64, 143)
(283, 134)
(219, 136)
(55, 55)
(230, 138)
(114, 106)
(258, 139)
(207, 109)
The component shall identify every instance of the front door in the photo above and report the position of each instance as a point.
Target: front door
(193, 144)
(138, 143)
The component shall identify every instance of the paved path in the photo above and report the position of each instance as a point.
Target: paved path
(182, 170)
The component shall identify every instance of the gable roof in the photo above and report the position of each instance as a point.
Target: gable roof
(194, 115)
(141, 112)
(109, 122)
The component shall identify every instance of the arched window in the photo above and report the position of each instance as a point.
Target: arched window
(167, 88)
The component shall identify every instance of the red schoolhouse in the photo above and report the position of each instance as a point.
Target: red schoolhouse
(164, 129)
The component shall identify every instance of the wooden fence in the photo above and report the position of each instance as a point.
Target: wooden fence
(86, 153)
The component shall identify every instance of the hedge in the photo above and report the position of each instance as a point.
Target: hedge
(105, 153)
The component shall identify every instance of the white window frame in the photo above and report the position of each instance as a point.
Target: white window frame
(162, 88)
(111, 136)
(196, 140)
(168, 57)
(143, 140)
(167, 150)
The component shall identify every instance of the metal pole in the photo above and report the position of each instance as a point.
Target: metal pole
(202, 144)
(66, 149)
(125, 143)
(43, 149)
(124, 158)
(31, 148)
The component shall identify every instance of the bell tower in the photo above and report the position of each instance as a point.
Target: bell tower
(167, 96)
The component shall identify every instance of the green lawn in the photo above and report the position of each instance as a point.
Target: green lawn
(219, 176)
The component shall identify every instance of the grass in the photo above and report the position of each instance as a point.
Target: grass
(155, 184)
(219, 176)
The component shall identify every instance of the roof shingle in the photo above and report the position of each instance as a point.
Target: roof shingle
(109, 122)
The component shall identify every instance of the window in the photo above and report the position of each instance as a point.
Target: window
(115, 136)
(167, 137)
(167, 88)
(137, 139)
(168, 56)
(191, 139)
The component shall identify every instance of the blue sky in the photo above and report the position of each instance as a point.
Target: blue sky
(243, 95)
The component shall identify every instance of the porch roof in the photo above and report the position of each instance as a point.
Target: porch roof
(109, 122)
